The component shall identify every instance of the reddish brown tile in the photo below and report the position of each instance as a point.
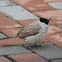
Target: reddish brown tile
(56, 21)
(26, 22)
(53, 29)
(58, 18)
(6, 22)
(10, 32)
(12, 42)
(3, 59)
(23, 2)
(57, 36)
(47, 1)
(50, 13)
(38, 7)
(57, 60)
(56, 39)
(33, 6)
(31, 57)
(7, 26)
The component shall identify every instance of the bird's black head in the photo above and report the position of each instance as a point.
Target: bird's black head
(46, 21)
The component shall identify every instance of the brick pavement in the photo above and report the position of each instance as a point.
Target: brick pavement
(13, 15)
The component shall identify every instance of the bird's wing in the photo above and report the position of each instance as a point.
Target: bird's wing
(29, 30)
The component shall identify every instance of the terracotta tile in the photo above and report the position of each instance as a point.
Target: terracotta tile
(47, 1)
(32, 5)
(57, 60)
(56, 39)
(6, 22)
(58, 18)
(23, 2)
(57, 36)
(3, 59)
(38, 7)
(12, 31)
(12, 42)
(30, 57)
(26, 22)
(8, 27)
(53, 29)
(50, 13)
(56, 21)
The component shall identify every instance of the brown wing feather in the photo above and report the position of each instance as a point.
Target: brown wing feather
(29, 30)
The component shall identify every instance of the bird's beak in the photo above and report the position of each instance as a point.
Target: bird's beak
(49, 19)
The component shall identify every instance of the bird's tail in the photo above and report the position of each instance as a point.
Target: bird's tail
(8, 37)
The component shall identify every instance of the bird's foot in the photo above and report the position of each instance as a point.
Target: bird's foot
(30, 46)
(35, 45)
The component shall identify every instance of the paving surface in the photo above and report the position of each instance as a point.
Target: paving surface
(47, 51)
(6, 3)
(57, 5)
(16, 14)
(2, 35)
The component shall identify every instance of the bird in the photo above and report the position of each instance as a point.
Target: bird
(34, 32)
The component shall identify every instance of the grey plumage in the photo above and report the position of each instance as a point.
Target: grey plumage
(30, 30)
(34, 32)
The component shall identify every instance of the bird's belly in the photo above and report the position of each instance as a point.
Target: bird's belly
(35, 39)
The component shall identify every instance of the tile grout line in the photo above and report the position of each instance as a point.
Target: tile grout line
(35, 53)
(6, 56)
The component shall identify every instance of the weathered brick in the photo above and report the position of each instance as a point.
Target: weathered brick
(12, 42)
(33, 6)
(6, 22)
(11, 31)
(31, 57)
(56, 21)
(38, 7)
(26, 22)
(56, 39)
(58, 18)
(27, 1)
(53, 29)
(50, 13)
(3, 59)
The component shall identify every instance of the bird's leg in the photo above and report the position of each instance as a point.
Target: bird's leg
(32, 45)
(35, 45)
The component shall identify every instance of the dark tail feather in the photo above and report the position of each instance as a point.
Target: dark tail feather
(8, 37)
